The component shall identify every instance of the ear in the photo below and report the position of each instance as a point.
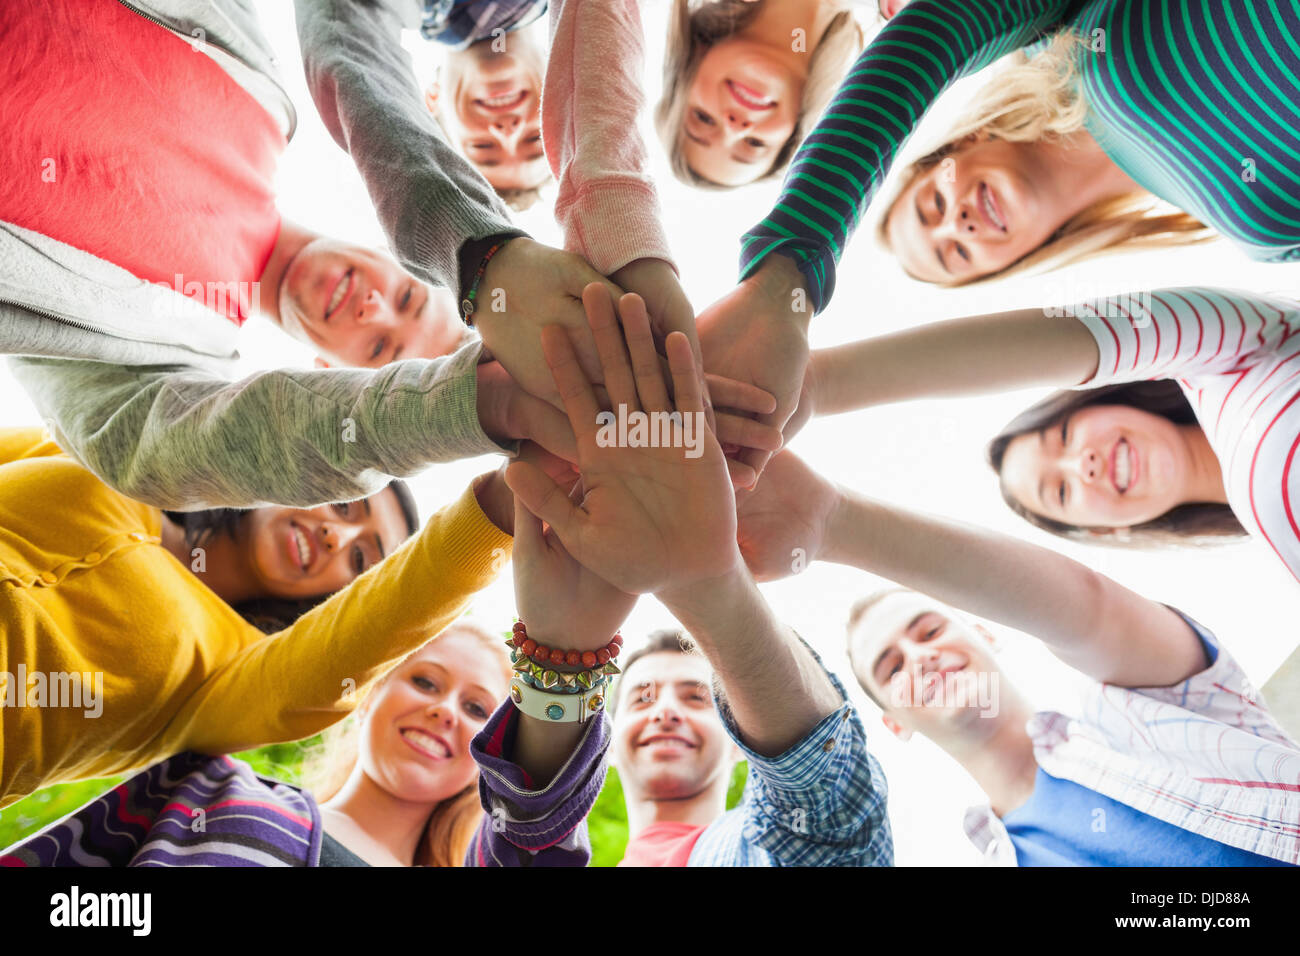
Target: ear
(321, 363)
(895, 728)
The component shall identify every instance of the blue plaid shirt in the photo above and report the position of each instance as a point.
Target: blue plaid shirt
(460, 23)
(821, 803)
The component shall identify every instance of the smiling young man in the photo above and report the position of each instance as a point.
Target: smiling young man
(821, 802)
(1176, 760)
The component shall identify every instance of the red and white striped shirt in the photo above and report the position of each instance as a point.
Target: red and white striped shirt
(1237, 357)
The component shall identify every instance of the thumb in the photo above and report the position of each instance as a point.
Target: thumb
(529, 540)
(535, 490)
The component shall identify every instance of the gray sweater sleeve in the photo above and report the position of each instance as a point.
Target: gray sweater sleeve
(178, 437)
(429, 199)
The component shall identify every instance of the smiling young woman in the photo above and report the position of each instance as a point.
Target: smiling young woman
(1181, 424)
(740, 91)
(173, 613)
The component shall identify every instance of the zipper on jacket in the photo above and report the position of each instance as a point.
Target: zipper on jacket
(288, 102)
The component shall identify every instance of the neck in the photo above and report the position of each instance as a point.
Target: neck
(218, 561)
(699, 810)
(776, 21)
(391, 824)
(1002, 764)
(1204, 474)
(288, 243)
(1082, 173)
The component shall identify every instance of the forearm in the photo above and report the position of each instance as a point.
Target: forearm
(184, 439)
(968, 356)
(607, 204)
(429, 199)
(776, 690)
(1089, 621)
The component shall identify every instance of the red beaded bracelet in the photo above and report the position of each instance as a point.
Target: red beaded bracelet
(553, 655)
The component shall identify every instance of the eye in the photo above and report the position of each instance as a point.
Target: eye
(703, 117)
(358, 560)
(344, 509)
(424, 683)
(1061, 494)
(406, 299)
(476, 711)
(932, 633)
(378, 350)
(756, 143)
(961, 251)
(534, 139)
(1065, 432)
(939, 204)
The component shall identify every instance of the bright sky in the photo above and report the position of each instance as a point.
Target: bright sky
(925, 456)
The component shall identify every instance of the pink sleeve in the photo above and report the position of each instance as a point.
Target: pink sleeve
(1182, 333)
(592, 96)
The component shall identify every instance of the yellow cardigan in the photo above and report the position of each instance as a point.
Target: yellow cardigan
(87, 588)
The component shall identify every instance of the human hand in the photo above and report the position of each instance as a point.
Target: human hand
(782, 526)
(650, 518)
(506, 413)
(533, 286)
(562, 603)
(670, 310)
(756, 334)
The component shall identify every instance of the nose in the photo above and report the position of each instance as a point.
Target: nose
(441, 715)
(373, 308)
(506, 129)
(335, 537)
(738, 121)
(1087, 465)
(665, 713)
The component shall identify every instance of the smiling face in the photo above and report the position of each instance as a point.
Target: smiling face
(669, 742)
(742, 107)
(296, 553)
(360, 308)
(931, 672)
(974, 213)
(1103, 466)
(494, 114)
(417, 725)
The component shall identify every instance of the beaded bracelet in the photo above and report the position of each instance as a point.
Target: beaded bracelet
(467, 303)
(555, 656)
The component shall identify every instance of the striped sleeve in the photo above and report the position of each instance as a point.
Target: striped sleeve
(843, 161)
(1181, 333)
(527, 826)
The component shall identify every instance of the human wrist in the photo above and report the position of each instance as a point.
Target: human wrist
(840, 530)
(780, 281)
(709, 597)
(473, 259)
(496, 500)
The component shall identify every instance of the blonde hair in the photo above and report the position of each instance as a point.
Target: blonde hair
(1039, 99)
(694, 26)
(453, 821)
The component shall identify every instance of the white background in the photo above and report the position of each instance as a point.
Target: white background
(926, 455)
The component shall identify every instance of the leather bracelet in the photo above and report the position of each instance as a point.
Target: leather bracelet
(558, 708)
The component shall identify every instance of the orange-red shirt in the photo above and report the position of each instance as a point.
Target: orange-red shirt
(124, 140)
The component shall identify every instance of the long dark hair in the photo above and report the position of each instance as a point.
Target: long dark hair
(271, 614)
(1188, 524)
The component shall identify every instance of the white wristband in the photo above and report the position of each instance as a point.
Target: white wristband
(558, 708)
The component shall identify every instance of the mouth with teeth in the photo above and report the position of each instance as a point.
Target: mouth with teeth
(991, 209)
(342, 289)
(300, 547)
(435, 748)
(502, 102)
(749, 97)
(1123, 466)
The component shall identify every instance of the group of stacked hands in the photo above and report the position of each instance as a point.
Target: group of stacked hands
(131, 377)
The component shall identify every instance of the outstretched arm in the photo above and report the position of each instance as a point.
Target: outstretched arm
(1092, 623)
